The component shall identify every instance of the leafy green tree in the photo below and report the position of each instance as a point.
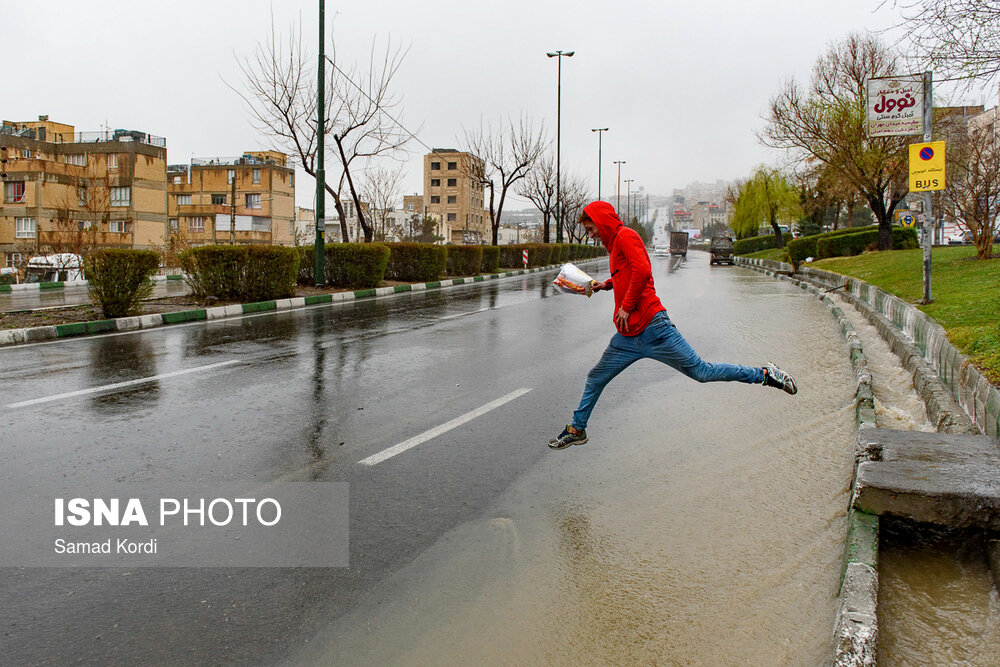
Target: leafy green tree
(767, 197)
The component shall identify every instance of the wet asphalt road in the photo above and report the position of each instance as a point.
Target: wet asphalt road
(313, 392)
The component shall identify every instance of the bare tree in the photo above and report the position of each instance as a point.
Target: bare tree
(539, 187)
(575, 196)
(972, 195)
(959, 39)
(83, 216)
(508, 154)
(279, 90)
(827, 125)
(381, 188)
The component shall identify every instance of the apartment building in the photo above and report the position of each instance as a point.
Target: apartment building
(202, 194)
(68, 191)
(453, 194)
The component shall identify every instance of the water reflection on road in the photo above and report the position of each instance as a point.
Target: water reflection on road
(702, 524)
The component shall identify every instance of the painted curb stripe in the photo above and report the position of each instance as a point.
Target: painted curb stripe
(259, 307)
(44, 286)
(5, 289)
(184, 316)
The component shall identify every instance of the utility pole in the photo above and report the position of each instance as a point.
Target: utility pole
(320, 163)
(628, 200)
(928, 220)
(232, 212)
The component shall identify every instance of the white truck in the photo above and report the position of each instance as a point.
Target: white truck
(59, 267)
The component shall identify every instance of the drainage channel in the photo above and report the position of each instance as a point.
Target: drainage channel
(936, 601)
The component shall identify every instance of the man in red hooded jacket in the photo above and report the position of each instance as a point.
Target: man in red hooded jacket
(644, 330)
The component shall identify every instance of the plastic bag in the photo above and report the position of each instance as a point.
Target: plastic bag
(573, 280)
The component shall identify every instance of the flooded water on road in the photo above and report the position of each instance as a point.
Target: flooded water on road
(702, 524)
(937, 603)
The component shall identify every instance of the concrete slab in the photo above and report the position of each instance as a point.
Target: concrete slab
(946, 479)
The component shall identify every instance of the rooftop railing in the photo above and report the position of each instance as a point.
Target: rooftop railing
(228, 161)
(122, 136)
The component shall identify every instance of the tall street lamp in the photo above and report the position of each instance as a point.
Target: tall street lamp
(559, 56)
(600, 131)
(319, 246)
(628, 200)
(618, 188)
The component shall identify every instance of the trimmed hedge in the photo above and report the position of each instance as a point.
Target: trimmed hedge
(355, 265)
(491, 259)
(805, 246)
(854, 244)
(244, 273)
(755, 244)
(416, 262)
(118, 279)
(464, 260)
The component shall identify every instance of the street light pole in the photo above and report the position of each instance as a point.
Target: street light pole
(320, 269)
(628, 200)
(559, 56)
(618, 188)
(600, 131)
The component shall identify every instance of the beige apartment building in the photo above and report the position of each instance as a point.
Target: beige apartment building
(200, 200)
(65, 191)
(453, 194)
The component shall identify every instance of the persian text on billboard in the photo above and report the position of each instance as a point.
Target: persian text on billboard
(895, 106)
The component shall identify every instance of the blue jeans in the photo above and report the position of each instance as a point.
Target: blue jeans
(661, 341)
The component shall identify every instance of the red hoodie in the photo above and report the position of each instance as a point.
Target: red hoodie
(631, 274)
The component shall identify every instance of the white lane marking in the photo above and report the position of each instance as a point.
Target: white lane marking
(443, 428)
(119, 385)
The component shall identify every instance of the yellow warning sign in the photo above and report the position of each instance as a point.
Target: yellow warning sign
(927, 166)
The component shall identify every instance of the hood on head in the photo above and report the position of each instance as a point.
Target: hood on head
(607, 221)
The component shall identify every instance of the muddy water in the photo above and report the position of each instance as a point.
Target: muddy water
(702, 524)
(937, 604)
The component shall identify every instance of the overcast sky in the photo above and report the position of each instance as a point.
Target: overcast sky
(682, 86)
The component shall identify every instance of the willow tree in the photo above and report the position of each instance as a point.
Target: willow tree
(766, 197)
(826, 124)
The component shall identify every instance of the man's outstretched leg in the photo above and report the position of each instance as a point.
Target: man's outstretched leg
(621, 353)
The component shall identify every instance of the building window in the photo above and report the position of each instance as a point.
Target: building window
(14, 258)
(409, 207)
(79, 159)
(253, 200)
(14, 192)
(291, 228)
(173, 224)
(183, 200)
(218, 199)
(291, 179)
(24, 228)
(256, 175)
(435, 166)
(452, 165)
(84, 225)
(120, 227)
(230, 175)
(452, 199)
(26, 153)
(81, 195)
(112, 161)
(196, 224)
(452, 217)
(177, 180)
(435, 199)
(452, 182)
(435, 182)
(121, 196)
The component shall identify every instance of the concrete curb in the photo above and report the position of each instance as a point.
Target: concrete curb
(856, 627)
(10, 337)
(36, 287)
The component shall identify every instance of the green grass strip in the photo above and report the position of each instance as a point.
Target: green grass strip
(363, 293)
(184, 316)
(259, 307)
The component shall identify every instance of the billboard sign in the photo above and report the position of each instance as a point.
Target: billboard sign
(895, 106)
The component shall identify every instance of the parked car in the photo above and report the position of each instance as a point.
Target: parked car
(661, 250)
(958, 239)
(60, 267)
